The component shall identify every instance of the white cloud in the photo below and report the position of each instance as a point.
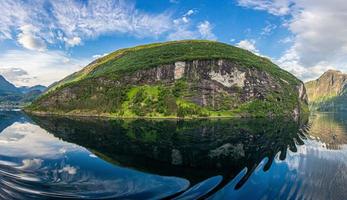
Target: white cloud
(9, 17)
(99, 55)
(24, 67)
(205, 31)
(16, 75)
(286, 40)
(71, 22)
(73, 41)
(267, 30)
(290, 61)
(29, 40)
(190, 12)
(248, 45)
(275, 7)
(100, 17)
(47, 24)
(184, 28)
(320, 42)
(185, 19)
(181, 34)
(319, 33)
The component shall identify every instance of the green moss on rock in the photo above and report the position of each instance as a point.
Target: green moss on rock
(219, 80)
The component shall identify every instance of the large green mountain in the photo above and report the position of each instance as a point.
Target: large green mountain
(192, 78)
(328, 92)
(11, 95)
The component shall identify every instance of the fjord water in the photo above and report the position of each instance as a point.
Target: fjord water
(87, 158)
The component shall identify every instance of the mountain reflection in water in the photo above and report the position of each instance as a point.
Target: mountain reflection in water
(193, 149)
(88, 158)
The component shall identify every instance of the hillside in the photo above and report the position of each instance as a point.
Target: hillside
(11, 95)
(191, 78)
(328, 92)
(6, 87)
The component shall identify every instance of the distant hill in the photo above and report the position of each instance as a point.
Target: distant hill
(7, 87)
(328, 92)
(11, 95)
(191, 78)
(26, 89)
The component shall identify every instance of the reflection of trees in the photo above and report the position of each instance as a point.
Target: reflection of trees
(329, 128)
(193, 149)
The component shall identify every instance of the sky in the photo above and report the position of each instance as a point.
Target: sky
(42, 41)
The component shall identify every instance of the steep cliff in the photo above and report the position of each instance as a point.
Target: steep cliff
(328, 92)
(177, 79)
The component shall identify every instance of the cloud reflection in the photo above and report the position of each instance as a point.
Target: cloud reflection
(28, 140)
(36, 165)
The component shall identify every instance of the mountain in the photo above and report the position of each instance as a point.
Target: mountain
(26, 89)
(328, 92)
(11, 95)
(191, 78)
(6, 87)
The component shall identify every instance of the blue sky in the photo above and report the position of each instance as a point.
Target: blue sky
(43, 40)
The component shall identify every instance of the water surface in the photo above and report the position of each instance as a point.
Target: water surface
(88, 158)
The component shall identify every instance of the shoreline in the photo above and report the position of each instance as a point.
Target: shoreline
(113, 117)
(110, 116)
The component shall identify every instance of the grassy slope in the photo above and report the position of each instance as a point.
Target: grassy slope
(146, 56)
(130, 60)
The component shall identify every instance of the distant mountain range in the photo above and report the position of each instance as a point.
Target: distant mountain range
(10, 95)
(328, 92)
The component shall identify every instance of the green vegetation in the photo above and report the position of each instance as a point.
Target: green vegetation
(328, 92)
(133, 142)
(164, 101)
(129, 60)
(99, 88)
(329, 104)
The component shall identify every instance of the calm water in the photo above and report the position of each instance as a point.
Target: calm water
(52, 158)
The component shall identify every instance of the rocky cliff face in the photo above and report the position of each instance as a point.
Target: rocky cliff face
(191, 88)
(328, 92)
(213, 84)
